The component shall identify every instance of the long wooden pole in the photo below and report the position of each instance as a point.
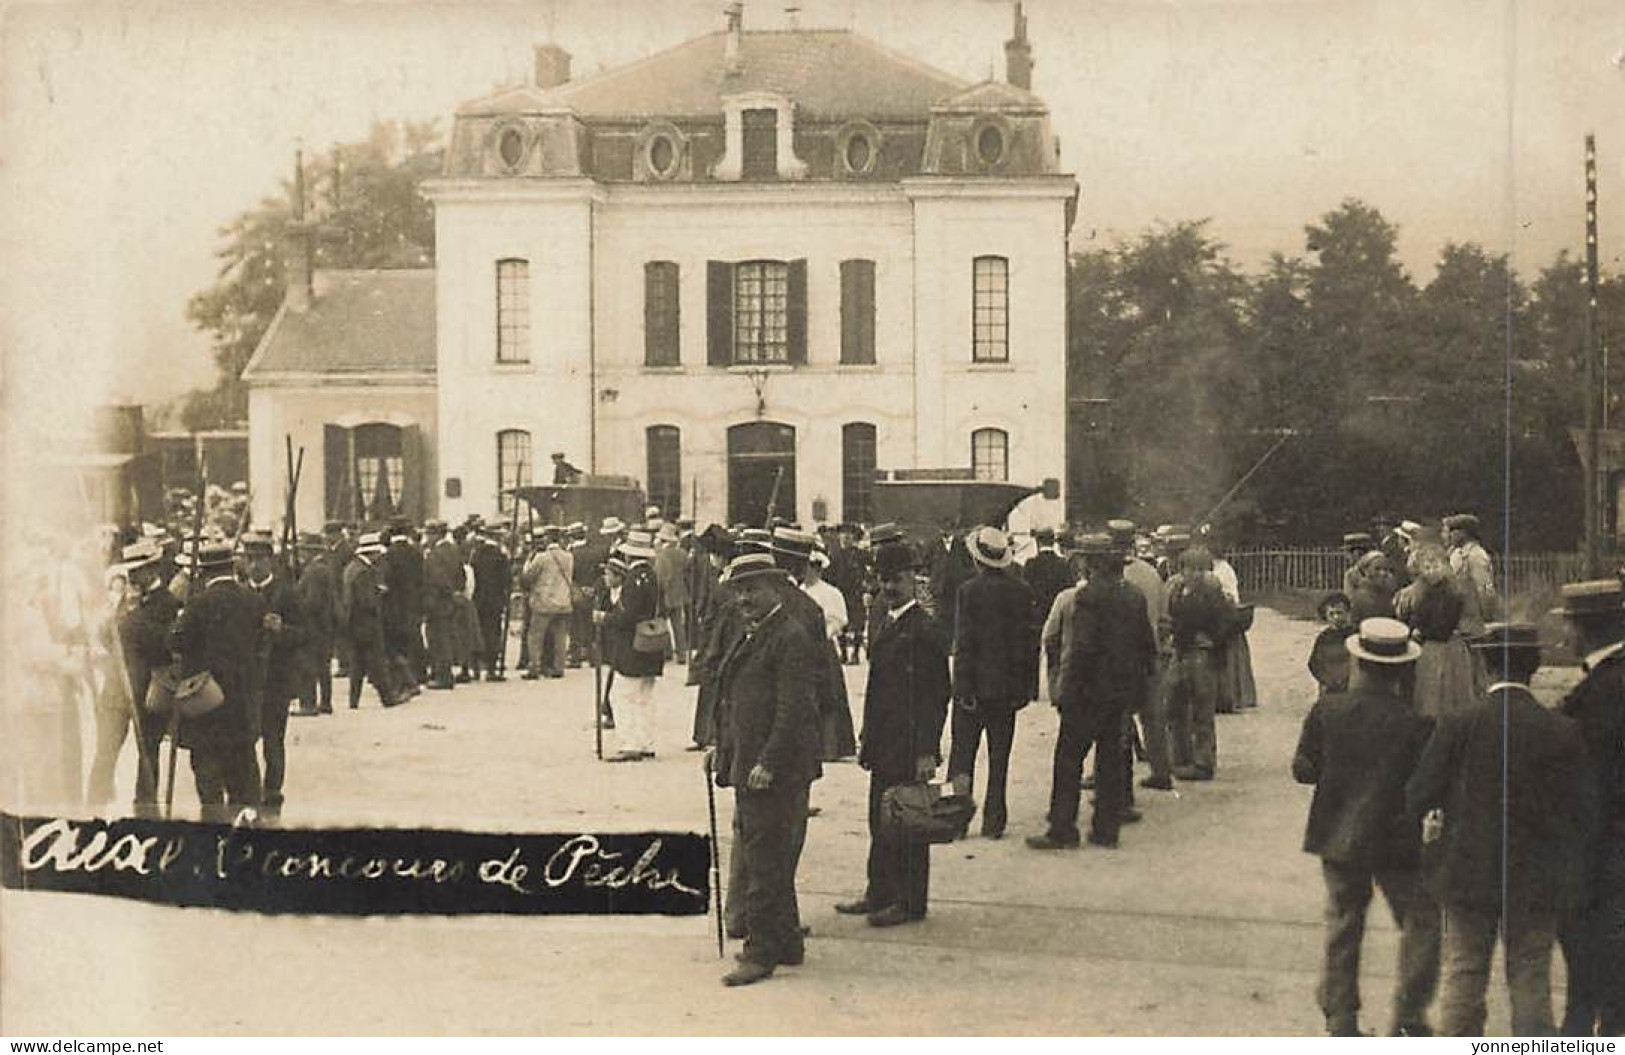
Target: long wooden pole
(1593, 471)
(1228, 495)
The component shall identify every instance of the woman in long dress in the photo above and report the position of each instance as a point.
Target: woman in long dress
(1438, 610)
(1238, 690)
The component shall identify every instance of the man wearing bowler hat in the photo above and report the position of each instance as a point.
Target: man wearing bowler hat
(1113, 654)
(1358, 749)
(220, 631)
(995, 669)
(1511, 779)
(287, 666)
(906, 705)
(1594, 937)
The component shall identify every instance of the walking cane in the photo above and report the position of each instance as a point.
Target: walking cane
(169, 781)
(598, 692)
(716, 854)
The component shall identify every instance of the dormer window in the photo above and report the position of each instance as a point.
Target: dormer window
(990, 145)
(512, 144)
(662, 156)
(758, 139)
(858, 147)
(761, 145)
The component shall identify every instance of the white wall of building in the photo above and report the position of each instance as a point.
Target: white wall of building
(302, 411)
(587, 246)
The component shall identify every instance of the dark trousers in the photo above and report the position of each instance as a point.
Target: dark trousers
(1348, 896)
(368, 662)
(769, 849)
(899, 869)
(1100, 726)
(273, 741)
(442, 632)
(998, 721)
(228, 778)
(317, 695)
(149, 744)
(1594, 950)
(491, 637)
(1527, 936)
(1192, 699)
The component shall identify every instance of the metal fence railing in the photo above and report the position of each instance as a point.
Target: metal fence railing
(1321, 570)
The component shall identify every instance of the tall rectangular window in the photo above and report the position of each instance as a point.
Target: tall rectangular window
(664, 444)
(857, 472)
(761, 312)
(661, 317)
(761, 144)
(513, 311)
(514, 465)
(857, 311)
(990, 454)
(990, 322)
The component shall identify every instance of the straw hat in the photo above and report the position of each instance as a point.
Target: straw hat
(1385, 641)
(989, 547)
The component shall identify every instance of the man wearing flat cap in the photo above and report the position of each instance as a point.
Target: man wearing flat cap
(1594, 937)
(1469, 560)
(1113, 654)
(1511, 779)
(1358, 749)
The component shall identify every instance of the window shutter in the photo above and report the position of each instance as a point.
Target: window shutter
(857, 311)
(336, 470)
(415, 480)
(796, 322)
(719, 310)
(660, 314)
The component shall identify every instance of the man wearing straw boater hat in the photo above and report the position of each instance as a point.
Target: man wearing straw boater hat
(1358, 749)
(143, 631)
(995, 669)
(1594, 938)
(767, 751)
(1512, 781)
(637, 601)
(220, 631)
(361, 611)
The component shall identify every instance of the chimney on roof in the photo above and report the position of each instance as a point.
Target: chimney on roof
(298, 265)
(552, 66)
(733, 62)
(1018, 54)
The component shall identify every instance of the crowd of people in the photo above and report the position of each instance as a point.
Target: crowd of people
(1438, 779)
(1441, 780)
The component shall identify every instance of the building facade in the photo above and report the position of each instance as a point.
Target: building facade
(747, 271)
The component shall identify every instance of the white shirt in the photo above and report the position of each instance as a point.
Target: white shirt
(1592, 659)
(1228, 582)
(833, 604)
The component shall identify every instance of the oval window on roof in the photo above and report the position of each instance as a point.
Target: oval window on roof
(859, 153)
(662, 155)
(511, 147)
(990, 144)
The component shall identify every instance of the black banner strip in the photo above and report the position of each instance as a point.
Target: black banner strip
(358, 871)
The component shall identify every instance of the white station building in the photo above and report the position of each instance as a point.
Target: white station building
(747, 271)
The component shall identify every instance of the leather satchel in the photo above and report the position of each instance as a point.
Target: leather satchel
(926, 813)
(652, 636)
(190, 697)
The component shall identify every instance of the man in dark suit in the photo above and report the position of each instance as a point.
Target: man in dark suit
(318, 591)
(143, 631)
(905, 707)
(492, 580)
(286, 665)
(1113, 654)
(340, 540)
(995, 670)
(220, 631)
(1594, 937)
(442, 581)
(768, 753)
(950, 565)
(361, 608)
(1511, 779)
(1358, 749)
(403, 572)
(1046, 573)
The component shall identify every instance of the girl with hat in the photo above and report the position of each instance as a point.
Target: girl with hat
(1442, 616)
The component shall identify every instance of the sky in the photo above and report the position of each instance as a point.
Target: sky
(130, 132)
